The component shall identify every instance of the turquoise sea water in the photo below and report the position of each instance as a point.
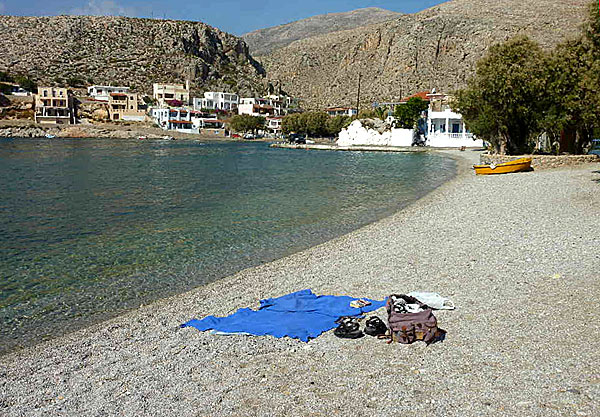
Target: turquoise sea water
(90, 228)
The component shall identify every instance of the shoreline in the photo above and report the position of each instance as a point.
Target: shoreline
(443, 242)
(126, 130)
(73, 326)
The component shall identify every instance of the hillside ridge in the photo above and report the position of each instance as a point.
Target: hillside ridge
(264, 41)
(435, 48)
(127, 51)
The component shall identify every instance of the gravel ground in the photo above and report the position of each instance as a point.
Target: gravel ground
(519, 255)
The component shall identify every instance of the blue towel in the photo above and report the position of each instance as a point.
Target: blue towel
(300, 315)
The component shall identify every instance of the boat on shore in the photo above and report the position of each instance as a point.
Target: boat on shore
(518, 165)
(49, 136)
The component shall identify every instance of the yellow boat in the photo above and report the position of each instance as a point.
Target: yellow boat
(522, 164)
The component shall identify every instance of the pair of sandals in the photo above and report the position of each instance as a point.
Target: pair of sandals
(350, 329)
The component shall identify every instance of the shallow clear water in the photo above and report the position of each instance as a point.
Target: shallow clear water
(90, 228)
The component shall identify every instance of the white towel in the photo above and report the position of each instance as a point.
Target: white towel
(433, 300)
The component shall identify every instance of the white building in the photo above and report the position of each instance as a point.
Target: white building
(217, 100)
(445, 127)
(103, 92)
(287, 102)
(273, 124)
(165, 93)
(341, 111)
(256, 107)
(202, 120)
(178, 119)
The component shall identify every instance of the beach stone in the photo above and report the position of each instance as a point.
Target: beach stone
(509, 347)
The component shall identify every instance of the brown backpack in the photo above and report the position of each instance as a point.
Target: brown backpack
(409, 327)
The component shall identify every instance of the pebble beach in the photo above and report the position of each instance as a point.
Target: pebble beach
(518, 254)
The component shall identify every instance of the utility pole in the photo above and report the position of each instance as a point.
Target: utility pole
(358, 95)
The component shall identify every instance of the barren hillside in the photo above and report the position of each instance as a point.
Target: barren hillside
(437, 47)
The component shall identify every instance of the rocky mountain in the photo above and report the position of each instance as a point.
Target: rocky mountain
(264, 41)
(126, 51)
(437, 47)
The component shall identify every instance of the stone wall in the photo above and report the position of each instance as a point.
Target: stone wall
(543, 161)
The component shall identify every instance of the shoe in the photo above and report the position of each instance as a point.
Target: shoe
(348, 328)
(375, 327)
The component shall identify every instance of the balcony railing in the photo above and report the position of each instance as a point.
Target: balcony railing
(453, 135)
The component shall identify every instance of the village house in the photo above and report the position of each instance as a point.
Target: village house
(445, 127)
(126, 106)
(184, 120)
(277, 103)
(54, 105)
(103, 92)
(178, 119)
(341, 111)
(202, 120)
(166, 93)
(288, 103)
(273, 124)
(217, 100)
(256, 107)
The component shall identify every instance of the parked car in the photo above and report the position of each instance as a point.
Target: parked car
(297, 138)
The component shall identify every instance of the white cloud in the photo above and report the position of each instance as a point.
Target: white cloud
(104, 8)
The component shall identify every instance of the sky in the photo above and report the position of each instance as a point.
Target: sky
(233, 16)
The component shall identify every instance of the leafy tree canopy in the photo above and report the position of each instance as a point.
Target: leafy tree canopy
(503, 101)
(246, 123)
(408, 114)
(316, 124)
(519, 91)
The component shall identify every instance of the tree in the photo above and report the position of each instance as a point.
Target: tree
(246, 123)
(382, 112)
(337, 123)
(316, 123)
(25, 82)
(75, 82)
(573, 91)
(293, 123)
(504, 102)
(6, 77)
(408, 114)
(311, 123)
